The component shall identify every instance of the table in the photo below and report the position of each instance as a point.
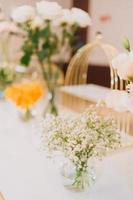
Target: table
(27, 174)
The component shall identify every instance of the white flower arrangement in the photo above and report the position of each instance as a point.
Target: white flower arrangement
(48, 21)
(50, 11)
(80, 138)
(49, 32)
(124, 65)
(123, 62)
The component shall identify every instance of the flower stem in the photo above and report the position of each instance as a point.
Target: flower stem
(80, 181)
(27, 115)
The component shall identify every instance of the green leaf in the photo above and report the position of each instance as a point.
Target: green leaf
(45, 32)
(35, 37)
(27, 48)
(25, 60)
(46, 45)
(6, 75)
(42, 54)
(126, 44)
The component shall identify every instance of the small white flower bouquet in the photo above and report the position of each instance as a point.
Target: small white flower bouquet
(123, 64)
(80, 138)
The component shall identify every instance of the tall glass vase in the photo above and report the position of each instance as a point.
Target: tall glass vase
(52, 78)
(51, 106)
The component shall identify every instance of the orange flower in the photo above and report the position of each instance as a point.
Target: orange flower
(24, 95)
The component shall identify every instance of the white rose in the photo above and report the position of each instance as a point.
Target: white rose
(117, 100)
(48, 10)
(65, 17)
(23, 14)
(80, 17)
(37, 22)
(124, 65)
(75, 15)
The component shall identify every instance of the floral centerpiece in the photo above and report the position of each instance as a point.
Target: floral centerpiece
(24, 95)
(48, 28)
(121, 98)
(80, 138)
(123, 64)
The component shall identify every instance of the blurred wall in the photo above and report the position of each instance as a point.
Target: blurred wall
(114, 19)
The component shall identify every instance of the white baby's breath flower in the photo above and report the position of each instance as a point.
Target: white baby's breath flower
(80, 138)
(124, 65)
(23, 14)
(80, 17)
(48, 10)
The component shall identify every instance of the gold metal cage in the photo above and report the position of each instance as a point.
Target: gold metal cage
(77, 75)
(78, 67)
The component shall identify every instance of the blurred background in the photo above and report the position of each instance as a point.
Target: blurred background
(112, 18)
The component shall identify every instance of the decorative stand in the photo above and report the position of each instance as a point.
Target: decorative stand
(77, 75)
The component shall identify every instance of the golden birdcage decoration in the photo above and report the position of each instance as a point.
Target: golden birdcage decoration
(78, 67)
(77, 75)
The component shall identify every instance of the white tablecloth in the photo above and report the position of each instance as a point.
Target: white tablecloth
(26, 173)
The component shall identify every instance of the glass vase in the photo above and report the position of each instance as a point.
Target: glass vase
(78, 179)
(51, 106)
(26, 114)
